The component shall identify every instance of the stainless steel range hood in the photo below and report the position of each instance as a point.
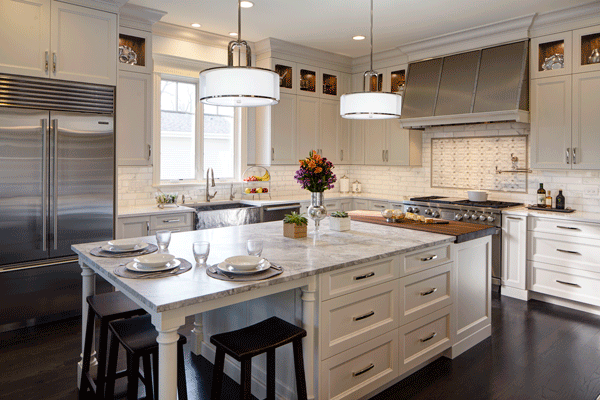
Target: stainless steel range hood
(487, 85)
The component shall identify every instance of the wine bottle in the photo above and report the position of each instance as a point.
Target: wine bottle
(541, 196)
(560, 201)
(548, 200)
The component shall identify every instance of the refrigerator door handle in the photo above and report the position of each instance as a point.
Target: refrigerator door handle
(55, 183)
(44, 184)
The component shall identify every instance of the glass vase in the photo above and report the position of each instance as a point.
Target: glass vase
(316, 210)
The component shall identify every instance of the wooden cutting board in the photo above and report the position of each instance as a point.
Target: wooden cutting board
(462, 230)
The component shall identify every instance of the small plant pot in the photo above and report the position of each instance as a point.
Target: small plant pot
(294, 231)
(339, 224)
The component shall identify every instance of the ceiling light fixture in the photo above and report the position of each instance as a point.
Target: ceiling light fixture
(358, 37)
(239, 86)
(196, 25)
(246, 4)
(370, 104)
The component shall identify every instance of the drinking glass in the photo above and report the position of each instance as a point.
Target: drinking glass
(201, 251)
(163, 238)
(254, 247)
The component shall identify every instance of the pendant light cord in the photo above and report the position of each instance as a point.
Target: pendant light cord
(239, 37)
(371, 35)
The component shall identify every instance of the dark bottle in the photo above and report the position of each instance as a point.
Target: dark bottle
(560, 201)
(541, 196)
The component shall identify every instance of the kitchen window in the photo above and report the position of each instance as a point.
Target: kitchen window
(193, 136)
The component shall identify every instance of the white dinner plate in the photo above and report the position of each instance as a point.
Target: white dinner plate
(136, 267)
(244, 263)
(111, 249)
(264, 265)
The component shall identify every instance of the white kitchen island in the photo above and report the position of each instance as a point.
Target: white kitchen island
(375, 295)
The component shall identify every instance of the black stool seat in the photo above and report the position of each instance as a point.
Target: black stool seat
(245, 343)
(105, 307)
(138, 338)
(258, 338)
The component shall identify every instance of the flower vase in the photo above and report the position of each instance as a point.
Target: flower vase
(317, 210)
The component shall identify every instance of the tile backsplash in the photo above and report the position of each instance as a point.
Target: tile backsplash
(579, 187)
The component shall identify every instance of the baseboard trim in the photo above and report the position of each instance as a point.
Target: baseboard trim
(259, 376)
(515, 293)
(564, 302)
(470, 341)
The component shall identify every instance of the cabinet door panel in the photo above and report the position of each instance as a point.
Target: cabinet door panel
(550, 122)
(85, 44)
(134, 118)
(133, 227)
(25, 37)
(330, 129)
(514, 248)
(374, 142)
(307, 125)
(283, 130)
(586, 120)
(397, 144)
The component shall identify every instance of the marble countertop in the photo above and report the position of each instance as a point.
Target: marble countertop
(151, 210)
(299, 257)
(574, 216)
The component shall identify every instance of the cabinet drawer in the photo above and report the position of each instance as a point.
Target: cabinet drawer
(564, 282)
(564, 227)
(166, 221)
(351, 279)
(425, 259)
(424, 292)
(378, 205)
(352, 319)
(424, 338)
(567, 251)
(332, 206)
(356, 372)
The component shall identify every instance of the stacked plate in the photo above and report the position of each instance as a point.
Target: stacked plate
(244, 265)
(124, 246)
(153, 262)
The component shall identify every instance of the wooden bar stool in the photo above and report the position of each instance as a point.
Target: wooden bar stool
(251, 341)
(106, 307)
(138, 338)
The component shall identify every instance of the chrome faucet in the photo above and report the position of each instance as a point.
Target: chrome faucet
(211, 173)
(232, 193)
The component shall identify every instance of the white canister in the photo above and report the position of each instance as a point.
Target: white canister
(344, 184)
(355, 186)
(358, 187)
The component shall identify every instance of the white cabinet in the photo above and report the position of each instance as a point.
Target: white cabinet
(276, 132)
(547, 46)
(25, 37)
(330, 130)
(387, 143)
(309, 80)
(586, 121)
(514, 256)
(134, 118)
(374, 141)
(307, 125)
(59, 40)
(130, 227)
(359, 204)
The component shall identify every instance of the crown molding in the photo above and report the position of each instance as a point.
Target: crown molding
(271, 47)
(112, 6)
(566, 19)
(510, 30)
(138, 17)
(383, 59)
(192, 35)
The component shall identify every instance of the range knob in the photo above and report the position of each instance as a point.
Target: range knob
(416, 210)
(467, 215)
(458, 217)
(435, 214)
(428, 211)
(483, 218)
(409, 209)
(474, 216)
(491, 218)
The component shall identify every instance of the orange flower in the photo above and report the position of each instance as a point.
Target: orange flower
(311, 164)
(318, 170)
(316, 157)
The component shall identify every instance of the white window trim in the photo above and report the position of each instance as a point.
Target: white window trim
(188, 70)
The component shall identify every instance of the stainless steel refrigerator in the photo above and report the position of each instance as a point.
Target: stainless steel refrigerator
(57, 174)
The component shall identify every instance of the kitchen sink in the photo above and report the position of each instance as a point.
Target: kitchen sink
(226, 214)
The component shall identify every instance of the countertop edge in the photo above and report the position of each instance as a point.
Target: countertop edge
(580, 216)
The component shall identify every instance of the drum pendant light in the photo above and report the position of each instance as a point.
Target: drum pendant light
(370, 104)
(239, 86)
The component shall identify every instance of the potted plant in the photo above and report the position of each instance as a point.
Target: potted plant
(295, 225)
(339, 221)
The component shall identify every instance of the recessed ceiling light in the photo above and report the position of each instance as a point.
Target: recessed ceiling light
(246, 4)
(196, 25)
(358, 37)
(232, 33)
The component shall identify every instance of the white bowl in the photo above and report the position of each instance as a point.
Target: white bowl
(124, 244)
(477, 195)
(244, 263)
(154, 260)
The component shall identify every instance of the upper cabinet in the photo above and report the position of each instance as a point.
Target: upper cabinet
(394, 79)
(309, 80)
(135, 50)
(551, 55)
(58, 40)
(287, 71)
(586, 45)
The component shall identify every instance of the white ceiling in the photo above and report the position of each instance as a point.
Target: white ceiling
(330, 24)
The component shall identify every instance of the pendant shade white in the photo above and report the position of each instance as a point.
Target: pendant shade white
(370, 105)
(239, 87)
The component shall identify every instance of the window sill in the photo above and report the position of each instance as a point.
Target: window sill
(195, 183)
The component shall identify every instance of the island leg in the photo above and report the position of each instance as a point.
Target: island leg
(88, 288)
(197, 335)
(309, 298)
(167, 355)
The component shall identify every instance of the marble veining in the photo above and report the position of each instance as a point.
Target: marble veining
(299, 257)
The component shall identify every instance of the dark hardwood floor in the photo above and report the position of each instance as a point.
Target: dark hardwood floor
(537, 351)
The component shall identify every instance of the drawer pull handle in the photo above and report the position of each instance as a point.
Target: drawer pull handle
(569, 251)
(365, 276)
(367, 315)
(433, 257)
(434, 334)
(167, 221)
(568, 283)
(365, 369)
(428, 292)
(518, 219)
(378, 206)
(568, 227)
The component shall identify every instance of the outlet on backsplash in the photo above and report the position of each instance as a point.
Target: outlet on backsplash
(591, 192)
